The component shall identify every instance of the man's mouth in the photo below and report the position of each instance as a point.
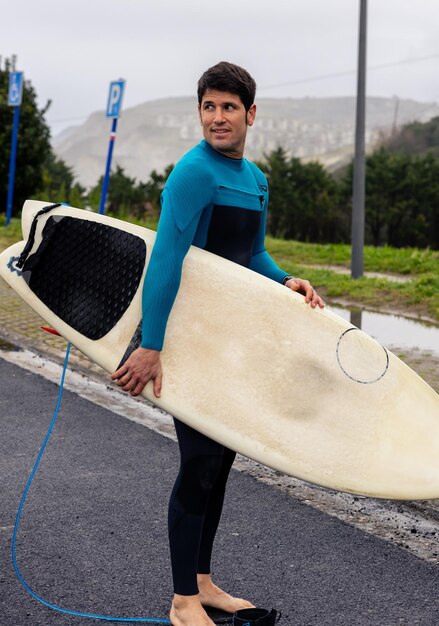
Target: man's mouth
(220, 131)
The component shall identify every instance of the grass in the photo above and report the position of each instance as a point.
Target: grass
(9, 234)
(406, 261)
(418, 296)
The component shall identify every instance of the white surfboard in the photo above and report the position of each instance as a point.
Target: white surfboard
(245, 360)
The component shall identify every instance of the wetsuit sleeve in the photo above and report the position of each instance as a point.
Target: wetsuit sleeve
(261, 261)
(182, 205)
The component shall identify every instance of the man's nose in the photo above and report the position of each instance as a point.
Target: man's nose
(219, 115)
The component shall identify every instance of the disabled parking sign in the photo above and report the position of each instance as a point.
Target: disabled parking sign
(114, 104)
(15, 93)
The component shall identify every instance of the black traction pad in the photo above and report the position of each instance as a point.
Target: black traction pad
(87, 273)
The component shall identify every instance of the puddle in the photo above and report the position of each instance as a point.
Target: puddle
(393, 330)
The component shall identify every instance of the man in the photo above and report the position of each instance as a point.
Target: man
(217, 200)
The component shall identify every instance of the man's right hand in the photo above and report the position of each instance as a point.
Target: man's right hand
(141, 366)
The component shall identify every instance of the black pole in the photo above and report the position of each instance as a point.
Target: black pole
(359, 182)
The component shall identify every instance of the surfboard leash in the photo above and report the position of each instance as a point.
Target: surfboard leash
(243, 617)
(51, 605)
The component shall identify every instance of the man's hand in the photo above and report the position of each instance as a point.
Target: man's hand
(141, 366)
(306, 289)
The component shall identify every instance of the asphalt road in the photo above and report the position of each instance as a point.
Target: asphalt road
(93, 531)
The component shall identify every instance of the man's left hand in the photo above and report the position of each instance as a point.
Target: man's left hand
(305, 288)
(141, 366)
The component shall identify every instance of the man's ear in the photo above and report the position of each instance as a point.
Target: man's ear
(199, 114)
(251, 115)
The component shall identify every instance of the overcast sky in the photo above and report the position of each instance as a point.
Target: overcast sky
(71, 50)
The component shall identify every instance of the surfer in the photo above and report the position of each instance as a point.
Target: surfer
(217, 200)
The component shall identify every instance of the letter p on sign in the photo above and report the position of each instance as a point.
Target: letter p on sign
(115, 95)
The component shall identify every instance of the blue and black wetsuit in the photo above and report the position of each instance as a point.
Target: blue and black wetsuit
(219, 204)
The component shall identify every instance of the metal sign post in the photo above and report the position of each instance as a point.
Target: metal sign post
(114, 106)
(15, 96)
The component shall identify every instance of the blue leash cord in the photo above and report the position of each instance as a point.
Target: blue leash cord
(17, 521)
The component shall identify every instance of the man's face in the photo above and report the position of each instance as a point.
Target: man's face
(225, 121)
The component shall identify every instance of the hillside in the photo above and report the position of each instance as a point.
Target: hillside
(416, 138)
(155, 134)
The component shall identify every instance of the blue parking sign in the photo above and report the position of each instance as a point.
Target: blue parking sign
(15, 93)
(114, 104)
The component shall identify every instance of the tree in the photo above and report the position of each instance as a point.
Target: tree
(59, 185)
(420, 225)
(281, 190)
(33, 143)
(124, 196)
(153, 188)
(304, 200)
(127, 197)
(415, 138)
(402, 199)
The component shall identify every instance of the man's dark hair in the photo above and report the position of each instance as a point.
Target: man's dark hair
(226, 76)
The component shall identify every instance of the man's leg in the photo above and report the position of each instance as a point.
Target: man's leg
(201, 465)
(213, 512)
(209, 593)
(194, 513)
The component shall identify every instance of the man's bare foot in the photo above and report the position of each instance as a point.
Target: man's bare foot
(211, 595)
(187, 611)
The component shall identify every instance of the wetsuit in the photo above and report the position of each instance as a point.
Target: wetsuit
(219, 204)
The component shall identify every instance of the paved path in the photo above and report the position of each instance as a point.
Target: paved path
(93, 534)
